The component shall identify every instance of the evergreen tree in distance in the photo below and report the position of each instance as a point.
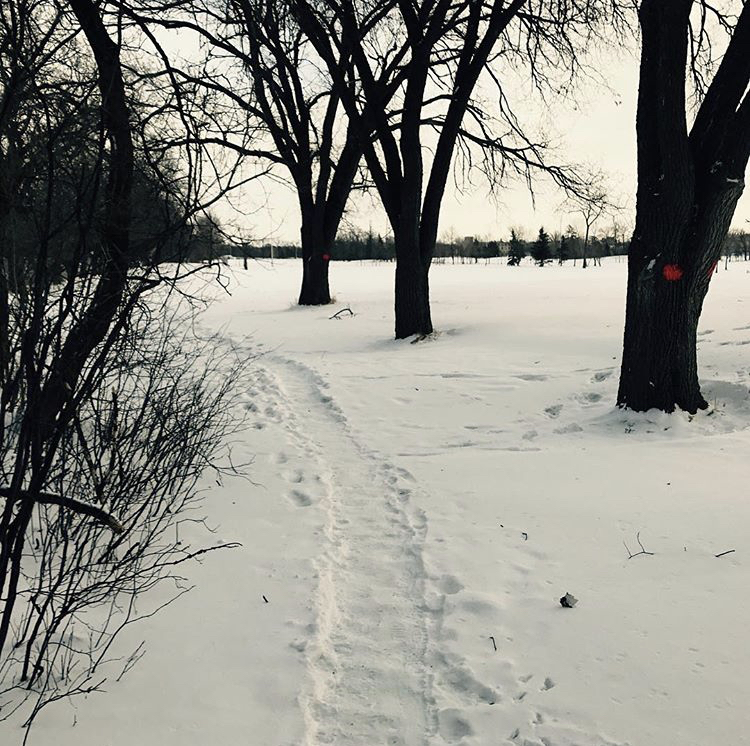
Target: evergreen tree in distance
(541, 251)
(516, 250)
(563, 249)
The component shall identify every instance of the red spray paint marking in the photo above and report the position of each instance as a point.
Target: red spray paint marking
(713, 268)
(672, 272)
(326, 258)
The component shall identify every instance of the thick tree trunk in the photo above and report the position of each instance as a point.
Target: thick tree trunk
(315, 289)
(659, 363)
(688, 188)
(316, 256)
(412, 294)
(666, 290)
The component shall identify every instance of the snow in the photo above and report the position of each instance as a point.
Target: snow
(413, 506)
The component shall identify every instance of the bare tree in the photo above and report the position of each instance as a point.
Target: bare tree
(590, 204)
(442, 50)
(689, 182)
(262, 65)
(88, 386)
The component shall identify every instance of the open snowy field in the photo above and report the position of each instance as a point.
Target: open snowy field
(415, 511)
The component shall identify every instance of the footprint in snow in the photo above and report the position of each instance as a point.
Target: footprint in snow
(452, 726)
(601, 375)
(553, 411)
(573, 427)
(450, 585)
(403, 495)
(272, 413)
(299, 498)
(294, 477)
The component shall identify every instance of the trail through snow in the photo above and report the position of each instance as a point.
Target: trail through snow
(380, 665)
(369, 682)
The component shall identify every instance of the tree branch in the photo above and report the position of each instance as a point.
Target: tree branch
(47, 498)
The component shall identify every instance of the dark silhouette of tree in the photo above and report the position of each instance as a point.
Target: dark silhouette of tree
(689, 182)
(591, 205)
(278, 105)
(49, 399)
(541, 249)
(86, 389)
(562, 253)
(516, 250)
(441, 49)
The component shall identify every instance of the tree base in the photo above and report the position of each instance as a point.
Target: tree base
(315, 290)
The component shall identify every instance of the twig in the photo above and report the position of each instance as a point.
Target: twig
(493, 643)
(721, 554)
(643, 549)
(337, 315)
(134, 657)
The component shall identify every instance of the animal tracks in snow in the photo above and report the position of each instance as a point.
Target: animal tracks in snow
(299, 498)
(380, 665)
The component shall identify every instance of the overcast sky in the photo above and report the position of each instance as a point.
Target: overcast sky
(598, 129)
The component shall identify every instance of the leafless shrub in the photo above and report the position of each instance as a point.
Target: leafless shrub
(159, 415)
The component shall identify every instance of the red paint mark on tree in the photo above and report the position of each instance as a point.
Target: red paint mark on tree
(713, 268)
(326, 258)
(672, 272)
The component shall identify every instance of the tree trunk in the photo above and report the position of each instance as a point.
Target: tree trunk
(90, 330)
(412, 294)
(666, 290)
(688, 188)
(316, 256)
(315, 289)
(585, 247)
(659, 363)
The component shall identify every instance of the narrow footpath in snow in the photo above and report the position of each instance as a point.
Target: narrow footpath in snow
(366, 658)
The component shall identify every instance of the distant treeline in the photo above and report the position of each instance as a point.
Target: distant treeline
(360, 246)
(355, 246)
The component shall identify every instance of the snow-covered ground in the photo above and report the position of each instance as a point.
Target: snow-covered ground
(417, 510)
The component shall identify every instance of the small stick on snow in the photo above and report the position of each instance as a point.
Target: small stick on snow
(643, 549)
(337, 315)
(721, 554)
(493, 643)
(525, 536)
(265, 599)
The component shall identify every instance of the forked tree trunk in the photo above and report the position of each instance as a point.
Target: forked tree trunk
(688, 188)
(665, 295)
